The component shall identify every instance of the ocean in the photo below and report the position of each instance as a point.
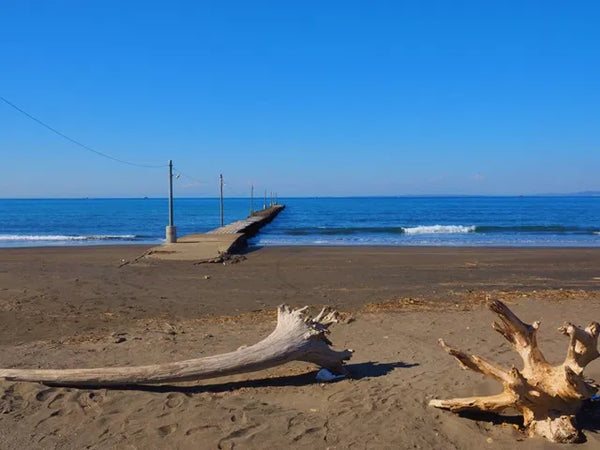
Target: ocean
(397, 221)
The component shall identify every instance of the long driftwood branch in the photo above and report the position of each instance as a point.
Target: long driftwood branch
(548, 396)
(295, 338)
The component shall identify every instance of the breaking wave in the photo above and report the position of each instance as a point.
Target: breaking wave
(60, 238)
(421, 229)
(440, 229)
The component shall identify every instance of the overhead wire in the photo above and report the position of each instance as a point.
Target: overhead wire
(187, 176)
(76, 142)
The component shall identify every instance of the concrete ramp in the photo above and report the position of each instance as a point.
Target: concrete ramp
(216, 244)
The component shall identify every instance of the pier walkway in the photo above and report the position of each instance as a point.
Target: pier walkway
(217, 243)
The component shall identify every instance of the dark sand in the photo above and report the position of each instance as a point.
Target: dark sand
(68, 307)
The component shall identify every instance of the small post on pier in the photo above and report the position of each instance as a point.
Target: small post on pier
(171, 231)
(221, 191)
(252, 200)
(265, 204)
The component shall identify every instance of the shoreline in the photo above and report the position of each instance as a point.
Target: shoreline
(259, 247)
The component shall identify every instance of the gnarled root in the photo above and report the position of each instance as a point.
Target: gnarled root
(295, 338)
(548, 396)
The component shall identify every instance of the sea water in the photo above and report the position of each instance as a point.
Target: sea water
(397, 221)
(447, 221)
(50, 222)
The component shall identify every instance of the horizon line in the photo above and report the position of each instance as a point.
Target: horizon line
(571, 194)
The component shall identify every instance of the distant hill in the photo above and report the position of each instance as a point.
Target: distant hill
(573, 194)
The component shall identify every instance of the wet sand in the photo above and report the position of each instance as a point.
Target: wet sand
(96, 306)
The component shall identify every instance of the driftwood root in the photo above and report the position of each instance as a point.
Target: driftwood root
(549, 397)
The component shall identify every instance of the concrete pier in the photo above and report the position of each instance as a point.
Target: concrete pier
(218, 242)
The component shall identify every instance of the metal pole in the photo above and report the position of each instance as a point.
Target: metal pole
(265, 204)
(252, 200)
(170, 193)
(221, 189)
(171, 231)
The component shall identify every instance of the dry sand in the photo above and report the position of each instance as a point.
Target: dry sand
(86, 307)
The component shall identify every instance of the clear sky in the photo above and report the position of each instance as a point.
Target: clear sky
(303, 98)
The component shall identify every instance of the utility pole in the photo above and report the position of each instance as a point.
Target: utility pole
(171, 231)
(221, 190)
(252, 200)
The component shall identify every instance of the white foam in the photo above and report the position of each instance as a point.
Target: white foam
(58, 237)
(439, 229)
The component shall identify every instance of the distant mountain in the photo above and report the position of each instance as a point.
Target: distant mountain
(573, 194)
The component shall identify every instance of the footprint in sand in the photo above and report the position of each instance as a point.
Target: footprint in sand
(9, 401)
(165, 430)
(51, 396)
(44, 395)
(199, 428)
(175, 400)
(53, 403)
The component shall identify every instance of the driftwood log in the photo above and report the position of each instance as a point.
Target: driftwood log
(296, 337)
(549, 397)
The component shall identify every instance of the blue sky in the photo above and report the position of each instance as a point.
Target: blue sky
(303, 98)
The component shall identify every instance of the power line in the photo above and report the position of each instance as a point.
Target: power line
(64, 136)
(187, 176)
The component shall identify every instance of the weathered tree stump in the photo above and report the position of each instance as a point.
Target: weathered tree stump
(295, 338)
(549, 397)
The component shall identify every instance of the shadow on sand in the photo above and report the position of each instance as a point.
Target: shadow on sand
(588, 418)
(356, 371)
(374, 369)
(493, 418)
(250, 248)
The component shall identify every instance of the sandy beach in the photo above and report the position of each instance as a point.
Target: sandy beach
(97, 306)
